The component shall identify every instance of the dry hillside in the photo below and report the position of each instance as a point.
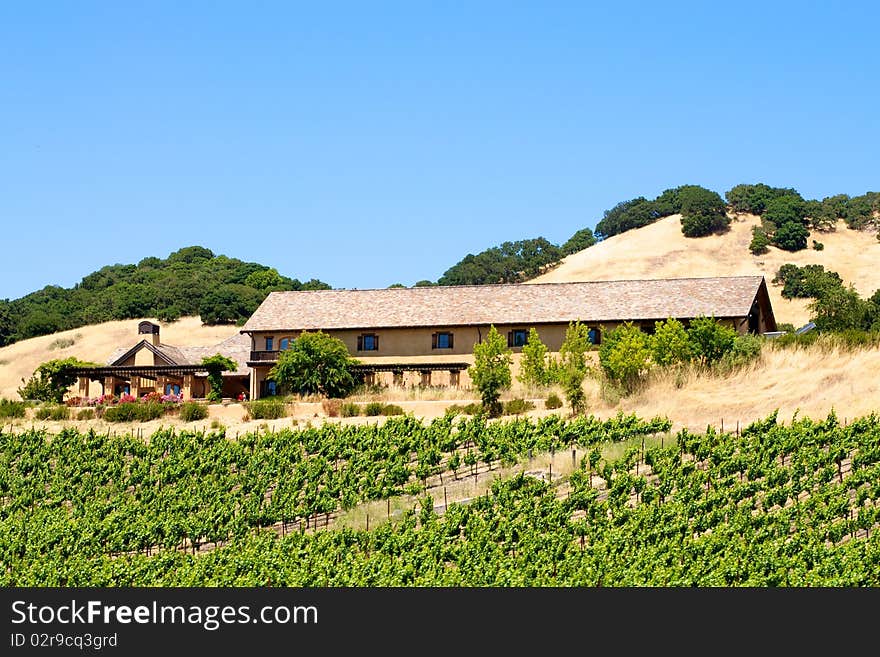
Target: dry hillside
(96, 343)
(661, 251)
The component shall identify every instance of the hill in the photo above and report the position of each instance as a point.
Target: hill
(95, 343)
(659, 250)
(190, 281)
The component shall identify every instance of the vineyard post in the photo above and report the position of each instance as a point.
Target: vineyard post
(445, 503)
(551, 470)
(722, 425)
(368, 522)
(389, 507)
(573, 458)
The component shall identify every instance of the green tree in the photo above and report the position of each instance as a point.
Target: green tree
(315, 363)
(760, 241)
(840, 308)
(573, 365)
(396, 285)
(753, 199)
(490, 372)
(627, 215)
(703, 211)
(51, 380)
(6, 325)
(582, 239)
(533, 366)
(265, 279)
(710, 340)
(625, 355)
(791, 236)
(424, 283)
(216, 365)
(670, 343)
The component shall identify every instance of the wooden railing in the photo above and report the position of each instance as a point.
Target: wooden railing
(270, 356)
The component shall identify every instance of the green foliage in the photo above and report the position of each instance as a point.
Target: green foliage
(703, 212)
(625, 355)
(392, 409)
(753, 199)
(861, 211)
(396, 285)
(349, 409)
(51, 380)
(553, 401)
(746, 349)
(12, 409)
(785, 326)
(85, 414)
(373, 409)
(191, 411)
(807, 281)
(710, 340)
(627, 215)
(791, 237)
(518, 406)
(61, 343)
(474, 408)
(315, 363)
(670, 343)
(490, 372)
(52, 412)
(582, 239)
(818, 246)
(134, 411)
(216, 365)
(572, 369)
(533, 368)
(760, 241)
(841, 308)
(512, 262)
(424, 283)
(266, 409)
(188, 282)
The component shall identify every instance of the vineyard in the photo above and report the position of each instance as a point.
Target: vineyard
(768, 506)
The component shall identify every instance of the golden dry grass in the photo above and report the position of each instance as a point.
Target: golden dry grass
(661, 251)
(96, 343)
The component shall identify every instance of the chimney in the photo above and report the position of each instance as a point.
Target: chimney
(150, 332)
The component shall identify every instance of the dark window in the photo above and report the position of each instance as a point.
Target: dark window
(441, 341)
(172, 389)
(368, 342)
(271, 388)
(594, 336)
(270, 344)
(517, 338)
(284, 344)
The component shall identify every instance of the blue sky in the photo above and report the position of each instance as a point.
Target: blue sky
(372, 143)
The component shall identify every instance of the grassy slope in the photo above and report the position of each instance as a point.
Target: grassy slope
(661, 251)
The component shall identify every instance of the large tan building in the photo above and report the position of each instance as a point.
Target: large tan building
(426, 335)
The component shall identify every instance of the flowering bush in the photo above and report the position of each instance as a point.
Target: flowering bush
(152, 396)
(76, 401)
(125, 398)
(172, 398)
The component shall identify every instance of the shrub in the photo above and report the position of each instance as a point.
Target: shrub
(53, 412)
(392, 409)
(709, 339)
(331, 407)
(51, 380)
(490, 372)
(133, 411)
(216, 365)
(518, 406)
(533, 365)
(192, 411)
(12, 409)
(746, 348)
(474, 408)
(86, 414)
(349, 409)
(703, 211)
(61, 343)
(760, 241)
(785, 326)
(670, 343)
(553, 401)
(625, 355)
(818, 246)
(372, 409)
(269, 409)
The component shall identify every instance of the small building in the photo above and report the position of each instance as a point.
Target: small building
(151, 366)
(426, 335)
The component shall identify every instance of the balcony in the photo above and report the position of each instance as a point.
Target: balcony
(264, 356)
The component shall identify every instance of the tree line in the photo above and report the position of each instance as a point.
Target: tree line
(190, 281)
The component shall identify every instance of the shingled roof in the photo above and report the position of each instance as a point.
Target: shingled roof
(236, 347)
(541, 303)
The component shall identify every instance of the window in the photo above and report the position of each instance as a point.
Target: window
(270, 344)
(271, 388)
(594, 336)
(517, 338)
(368, 342)
(172, 389)
(441, 340)
(284, 344)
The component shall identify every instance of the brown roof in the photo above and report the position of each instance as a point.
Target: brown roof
(237, 348)
(467, 305)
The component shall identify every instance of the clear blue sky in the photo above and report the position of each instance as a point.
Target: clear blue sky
(369, 143)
